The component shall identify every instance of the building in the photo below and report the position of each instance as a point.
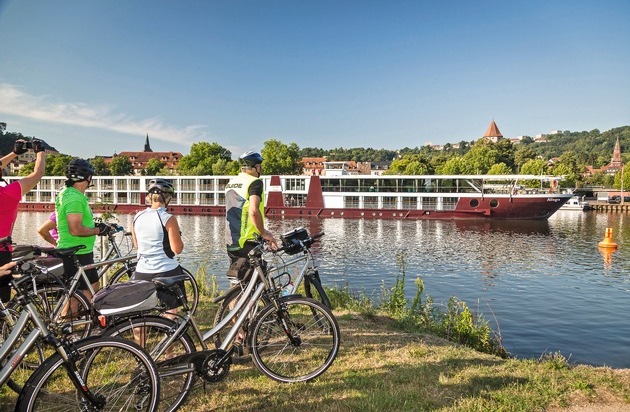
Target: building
(313, 166)
(615, 165)
(139, 160)
(493, 133)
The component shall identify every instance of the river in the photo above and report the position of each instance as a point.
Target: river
(544, 286)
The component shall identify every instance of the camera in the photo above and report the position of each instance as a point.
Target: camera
(28, 145)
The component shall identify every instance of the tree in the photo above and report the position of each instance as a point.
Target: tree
(409, 164)
(202, 157)
(153, 167)
(121, 166)
(522, 155)
(100, 167)
(281, 159)
(499, 169)
(480, 158)
(225, 168)
(453, 166)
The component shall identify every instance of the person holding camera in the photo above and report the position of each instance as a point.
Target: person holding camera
(10, 196)
(75, 222)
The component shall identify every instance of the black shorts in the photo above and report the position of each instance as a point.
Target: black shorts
(168, 298)
(5, 287)
(70, 269)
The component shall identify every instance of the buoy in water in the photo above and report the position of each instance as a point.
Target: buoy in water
(608, 241)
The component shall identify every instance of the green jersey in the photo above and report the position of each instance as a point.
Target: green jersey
(71, 201)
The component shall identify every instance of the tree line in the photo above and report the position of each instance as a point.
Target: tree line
(565, 154)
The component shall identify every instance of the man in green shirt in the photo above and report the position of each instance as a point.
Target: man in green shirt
(75, 222)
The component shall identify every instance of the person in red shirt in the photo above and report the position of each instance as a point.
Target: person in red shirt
(10, 195)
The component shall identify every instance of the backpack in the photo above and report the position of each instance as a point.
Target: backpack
(127, 297)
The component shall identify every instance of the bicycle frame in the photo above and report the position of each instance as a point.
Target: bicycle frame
(40, 331)
(307, 267)
(112, 252)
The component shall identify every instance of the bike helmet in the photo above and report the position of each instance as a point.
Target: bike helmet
(250, 159)
(79, 170)
(160, 186)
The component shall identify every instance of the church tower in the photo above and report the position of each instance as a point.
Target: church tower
(616, 160)
(493, 134)
(147, 146)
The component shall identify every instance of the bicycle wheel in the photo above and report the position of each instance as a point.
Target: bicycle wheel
(122, 274)
(116, 370)
(149, 332)
(296, 343)
(78, 313)
(313, 289)
(231, 297)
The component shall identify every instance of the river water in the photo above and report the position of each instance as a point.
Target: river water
(544, 286)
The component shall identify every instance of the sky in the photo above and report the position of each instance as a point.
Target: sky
(95, 77)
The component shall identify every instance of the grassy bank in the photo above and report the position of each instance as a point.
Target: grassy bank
(381, 367)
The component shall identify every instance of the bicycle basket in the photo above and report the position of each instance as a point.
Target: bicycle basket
(291, 240)
(127, 297)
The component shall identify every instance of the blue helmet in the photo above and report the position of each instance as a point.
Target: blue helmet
(250, 159)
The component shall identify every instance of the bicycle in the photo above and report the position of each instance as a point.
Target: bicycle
(291, 339)
(296, 250)
(98, 373)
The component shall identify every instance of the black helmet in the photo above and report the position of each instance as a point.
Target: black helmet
(160, 186)
(79, 170)
(250, 159)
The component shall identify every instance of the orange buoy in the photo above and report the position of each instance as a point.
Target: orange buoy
(608, 241)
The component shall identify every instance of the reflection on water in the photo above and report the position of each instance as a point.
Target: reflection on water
(546, 283)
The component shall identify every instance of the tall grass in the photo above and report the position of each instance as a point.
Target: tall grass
(454, 321)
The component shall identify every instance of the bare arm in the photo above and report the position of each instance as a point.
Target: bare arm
(30, 181)
(76, 228)
(7, 159)
(174, 235)
(44, 231)
(257, 219)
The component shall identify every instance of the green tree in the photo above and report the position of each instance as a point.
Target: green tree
(223, 167)
(281, 159)
(480, 158)
(522, 155)
(100, 167)
(534, 167)
(453, 166)
(409, 164)
(202, 157)
(626, 180)
(499, 169)
(153, 167)
(121, 166)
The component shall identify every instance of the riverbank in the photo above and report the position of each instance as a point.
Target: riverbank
(380, 367)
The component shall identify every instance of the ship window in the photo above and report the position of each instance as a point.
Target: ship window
(351, 201)
(295, 184)
(474, 203)
(331, 185)
(494, 203)
(206, 198)
(221, 199)
(370, 202)
(389, 202)
(429, 203)
(206, 184)
(409, 203)
(449, 203)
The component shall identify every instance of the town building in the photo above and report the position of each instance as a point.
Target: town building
(139, 160)
(615, 165)
(493, 133)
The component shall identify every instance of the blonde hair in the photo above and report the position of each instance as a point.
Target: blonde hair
(163, 198)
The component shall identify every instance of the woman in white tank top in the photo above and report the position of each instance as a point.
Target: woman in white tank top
(158, 239)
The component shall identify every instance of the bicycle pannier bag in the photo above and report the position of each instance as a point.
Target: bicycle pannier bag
(291, 240)
(127, 297)
(240, 269)
(51, 269)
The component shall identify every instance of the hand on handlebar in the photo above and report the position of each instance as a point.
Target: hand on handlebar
(271, 241)
(6, 269)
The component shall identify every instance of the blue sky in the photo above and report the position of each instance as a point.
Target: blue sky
(94, 77)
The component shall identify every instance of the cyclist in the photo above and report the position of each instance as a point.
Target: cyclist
(245, 208)
(158, 239)
(75, 222)
(48, 229)
(10, 196)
